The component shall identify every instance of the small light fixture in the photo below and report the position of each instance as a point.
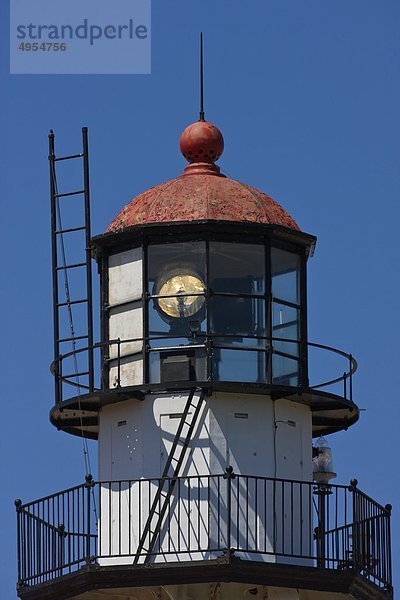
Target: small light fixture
(323, 464)
(194, 328)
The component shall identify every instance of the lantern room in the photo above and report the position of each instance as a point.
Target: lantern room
(207, 289)
(201, 299)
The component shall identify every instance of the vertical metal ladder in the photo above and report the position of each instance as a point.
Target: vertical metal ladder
(59, 264)
(167, 483)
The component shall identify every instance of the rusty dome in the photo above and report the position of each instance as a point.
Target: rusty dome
(202, 192)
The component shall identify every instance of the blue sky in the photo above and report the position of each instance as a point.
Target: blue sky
(307, 95)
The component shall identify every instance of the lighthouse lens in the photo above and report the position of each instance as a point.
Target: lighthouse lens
(182, 302)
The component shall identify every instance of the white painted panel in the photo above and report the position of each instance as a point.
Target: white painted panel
(126, 316)
(293, 462)
(130, 372)
(168, 414)
(120, 459)
(241, 432)
(126, 448)
(120, 440)
(244, 440)
(293, 440)
(125, 276)
(186, 526)
(126, 323)
(289, 458)
(119, 523)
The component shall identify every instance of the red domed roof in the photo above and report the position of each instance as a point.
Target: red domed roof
(202, 193)
(201, 197)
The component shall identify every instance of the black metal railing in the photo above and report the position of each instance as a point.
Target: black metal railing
(67, 373)
(255, 518)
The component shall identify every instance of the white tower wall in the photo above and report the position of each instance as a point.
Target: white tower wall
(257, 436)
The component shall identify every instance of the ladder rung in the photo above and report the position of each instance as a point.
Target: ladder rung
(70, 229)
(73, 339)
(69, 194)
(72, 302)
(83, 264)
(68, 157)
(70, 375)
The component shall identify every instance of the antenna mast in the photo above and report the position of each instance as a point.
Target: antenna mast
(201, 118)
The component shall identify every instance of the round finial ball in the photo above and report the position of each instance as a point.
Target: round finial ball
(202, 142)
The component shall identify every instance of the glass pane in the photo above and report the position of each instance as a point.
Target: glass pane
(239, 365)
(162, 324)
(285, 267)
(285, 324)
(176, 267)
(238, 268)
(238, 317)
(242, 343)
(178, 365)
(285, 371)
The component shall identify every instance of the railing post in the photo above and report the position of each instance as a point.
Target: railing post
(351, 377)
(388, 549)
(355, 525)
(89, 483)
(18, 508)
(119, 363)
(61, 537)
(304, 380)
(59, 378)
(209, 357)
(229, 475)
(322, 491)
(105, 367)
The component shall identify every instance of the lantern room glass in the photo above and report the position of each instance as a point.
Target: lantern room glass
(219, 310)
(286, 316)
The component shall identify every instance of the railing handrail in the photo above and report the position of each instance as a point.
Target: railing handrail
(387, 508)
(208, 337)
(52, 496)
(101, 482)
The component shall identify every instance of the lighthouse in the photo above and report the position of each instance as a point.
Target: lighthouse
(215, 477)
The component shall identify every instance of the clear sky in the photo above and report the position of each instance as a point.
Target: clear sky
(307, 95)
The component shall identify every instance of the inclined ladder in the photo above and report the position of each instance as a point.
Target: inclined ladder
(166, 486)
(59, 241)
